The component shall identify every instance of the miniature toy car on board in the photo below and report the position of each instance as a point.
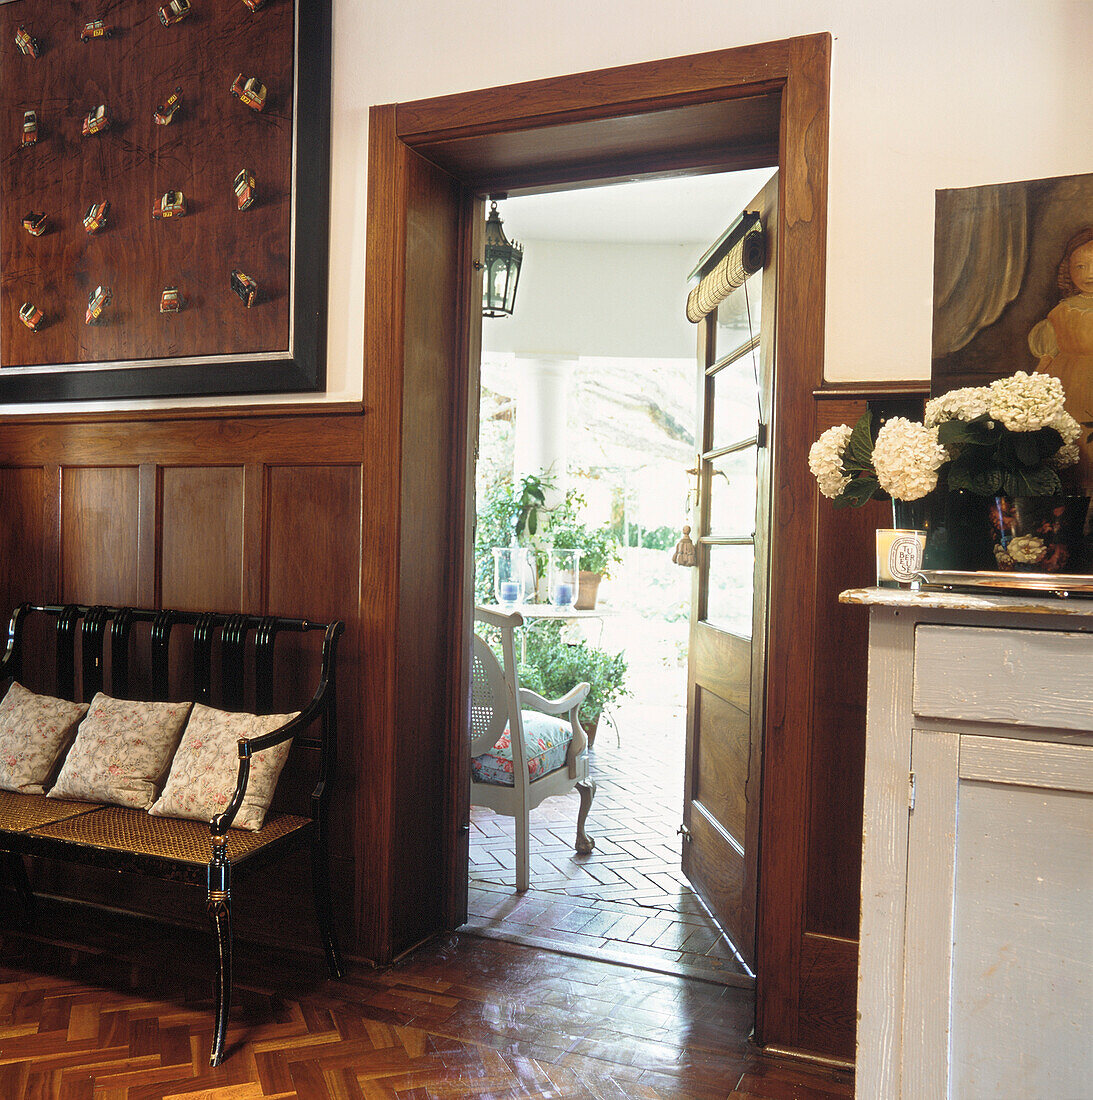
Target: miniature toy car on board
(174, 12)
(255, 5)
(251, 91)
(35, 223)
(96, 29)
(30, 315)
(166, 111)
(30, 127)
(172, 205)
(245, 287)
(97, 301)
(95, 218)
(170, 301)
(27, 43)
(244, 189)
(96, 121)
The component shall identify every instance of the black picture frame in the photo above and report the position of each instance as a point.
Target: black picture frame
(301, 366)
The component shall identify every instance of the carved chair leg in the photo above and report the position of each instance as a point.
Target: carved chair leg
(17, 872)
(324, 908)
(523, 853)
(587, 789)
(219, 910)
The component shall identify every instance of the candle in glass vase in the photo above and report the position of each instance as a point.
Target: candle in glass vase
(563, 594)
(510, 592)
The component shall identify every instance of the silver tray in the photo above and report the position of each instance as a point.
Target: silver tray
(1054, 584)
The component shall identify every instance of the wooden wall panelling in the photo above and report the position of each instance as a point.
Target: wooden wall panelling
(24, 541)
(99, 534)
(312, 563)
(253, 535)
(148, 535)
(201, 543)
(110, 508)
(310, 437)
(845, 558)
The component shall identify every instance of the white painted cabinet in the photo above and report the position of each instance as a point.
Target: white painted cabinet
(976, 967)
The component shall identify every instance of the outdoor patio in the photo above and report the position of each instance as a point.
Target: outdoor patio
(627, 901)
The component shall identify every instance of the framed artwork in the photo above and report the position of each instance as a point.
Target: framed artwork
(1013, 288)
(164, 198)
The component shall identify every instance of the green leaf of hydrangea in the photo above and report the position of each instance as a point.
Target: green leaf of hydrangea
(860, 490)
(859, 448)
(1040, 482)
(954, 433)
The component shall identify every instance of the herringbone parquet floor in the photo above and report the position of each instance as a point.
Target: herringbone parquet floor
(627, 901)
(128, 1018)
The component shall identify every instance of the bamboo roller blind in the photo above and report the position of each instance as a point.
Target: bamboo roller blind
(743, 259)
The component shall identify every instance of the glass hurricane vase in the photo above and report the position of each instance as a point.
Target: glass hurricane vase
(564, 577)
(510, 573)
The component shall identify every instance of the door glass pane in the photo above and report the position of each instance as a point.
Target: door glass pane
(731, 581)
(733, 329)
(735, 402)
(733, 490)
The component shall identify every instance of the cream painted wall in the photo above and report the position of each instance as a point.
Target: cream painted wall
(942, 93)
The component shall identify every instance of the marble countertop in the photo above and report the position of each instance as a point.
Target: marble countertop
(1033, 603)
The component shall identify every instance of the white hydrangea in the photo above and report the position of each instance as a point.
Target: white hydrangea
(1026, 402)
(1028, 549)
(963, 404)
(1067, 455)
(906, 457)
(1000, 556)
(1067, 427)
(825, 460)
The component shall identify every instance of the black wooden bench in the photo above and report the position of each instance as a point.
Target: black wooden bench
(221, 660)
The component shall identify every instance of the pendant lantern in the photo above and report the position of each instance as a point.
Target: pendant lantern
(503, 260)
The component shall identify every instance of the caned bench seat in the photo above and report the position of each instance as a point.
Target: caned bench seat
(223, 661)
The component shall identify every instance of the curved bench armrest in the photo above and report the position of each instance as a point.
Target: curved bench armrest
(321, 708)
(248, 747)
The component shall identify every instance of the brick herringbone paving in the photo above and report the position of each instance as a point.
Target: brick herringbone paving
(628, 900)
(128, 1018)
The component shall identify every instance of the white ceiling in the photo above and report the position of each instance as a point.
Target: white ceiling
(691, 210)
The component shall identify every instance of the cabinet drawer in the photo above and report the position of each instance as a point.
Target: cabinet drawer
(1016, 677)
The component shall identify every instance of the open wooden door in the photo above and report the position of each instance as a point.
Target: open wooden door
(726, 666)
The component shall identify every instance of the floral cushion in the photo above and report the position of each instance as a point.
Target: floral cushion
(546, 744)
(206, 767)
(34, 731)
(121, 752)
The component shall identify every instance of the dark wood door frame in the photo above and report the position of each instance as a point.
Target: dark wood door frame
(737, 108)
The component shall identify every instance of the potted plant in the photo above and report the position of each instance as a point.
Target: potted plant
(552, 666)
(599, 546)
(988, 459)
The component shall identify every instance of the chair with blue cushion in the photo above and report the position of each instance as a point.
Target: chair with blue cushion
(524, 748)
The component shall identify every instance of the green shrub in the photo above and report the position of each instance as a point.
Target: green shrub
(552, 666)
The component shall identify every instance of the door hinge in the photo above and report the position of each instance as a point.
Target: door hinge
(911, 791)
(684, 832)
(760, 434)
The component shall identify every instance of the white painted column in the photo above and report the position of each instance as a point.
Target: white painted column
(540, 431)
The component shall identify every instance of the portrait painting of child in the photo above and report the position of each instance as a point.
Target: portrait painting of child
(1013, 290)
